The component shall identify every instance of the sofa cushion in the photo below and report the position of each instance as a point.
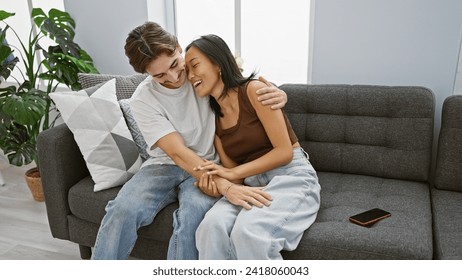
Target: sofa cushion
(447, 194)
(447, 224)
(370, 130)
(96, 121)
(407, 234)
(448, 174)
(90, 206)
(125, 85)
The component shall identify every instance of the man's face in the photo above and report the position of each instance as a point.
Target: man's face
(169, 71)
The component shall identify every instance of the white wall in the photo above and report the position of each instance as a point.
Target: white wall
(102, 27)
(393, 42)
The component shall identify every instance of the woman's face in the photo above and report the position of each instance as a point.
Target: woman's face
(203, 74)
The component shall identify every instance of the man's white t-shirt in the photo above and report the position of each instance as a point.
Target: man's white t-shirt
(159, 111)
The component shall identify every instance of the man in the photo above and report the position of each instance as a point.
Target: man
(179, 128)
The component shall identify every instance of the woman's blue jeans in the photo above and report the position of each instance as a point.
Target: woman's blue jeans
(151, 189)
(231, 232)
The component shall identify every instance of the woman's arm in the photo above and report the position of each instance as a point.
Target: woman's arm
(276, 129)
(235, 192)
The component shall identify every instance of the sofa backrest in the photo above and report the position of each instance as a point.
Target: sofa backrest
(125, 85)
(368, 130)
(448, 174)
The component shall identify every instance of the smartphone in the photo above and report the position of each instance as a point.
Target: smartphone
(369, 217)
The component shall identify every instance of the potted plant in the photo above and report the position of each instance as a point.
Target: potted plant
(25, 106)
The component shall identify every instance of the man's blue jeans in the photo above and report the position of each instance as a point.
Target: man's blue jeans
(139, 201)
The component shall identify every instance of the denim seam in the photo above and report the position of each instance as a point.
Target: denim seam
(281, 225)
(179, 222)
(175, 237)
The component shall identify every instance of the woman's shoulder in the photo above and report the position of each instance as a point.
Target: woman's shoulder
(250, 91)
(255, 84)
(252, 86)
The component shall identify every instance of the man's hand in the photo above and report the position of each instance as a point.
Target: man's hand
(207, 185)
(271, 95)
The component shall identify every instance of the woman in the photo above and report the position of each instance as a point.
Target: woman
(258, 147)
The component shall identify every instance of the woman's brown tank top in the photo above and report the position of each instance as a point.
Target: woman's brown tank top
(247, 140)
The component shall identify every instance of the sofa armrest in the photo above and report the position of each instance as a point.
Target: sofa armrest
(61, 166)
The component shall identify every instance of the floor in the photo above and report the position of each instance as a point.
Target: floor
(24, 231)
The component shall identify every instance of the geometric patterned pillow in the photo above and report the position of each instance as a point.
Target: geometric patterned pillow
(95, 118)
(134, 129)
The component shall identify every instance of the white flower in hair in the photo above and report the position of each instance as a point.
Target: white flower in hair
(239, 62)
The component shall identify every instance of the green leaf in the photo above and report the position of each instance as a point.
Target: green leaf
(61, 17)
(26, 107)
(4, 14)
(7, 60)
(7, 67)
(58, 25)
(5, 52)
(38, 16)
(19, 147)
(37, 13)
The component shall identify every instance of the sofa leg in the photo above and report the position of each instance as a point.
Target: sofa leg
(85, 252)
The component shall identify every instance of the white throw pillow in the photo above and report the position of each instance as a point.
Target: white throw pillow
(95, 118)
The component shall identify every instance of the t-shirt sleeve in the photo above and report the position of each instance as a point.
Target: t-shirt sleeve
(151, 121)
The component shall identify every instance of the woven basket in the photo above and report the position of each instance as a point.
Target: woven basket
(34, 182)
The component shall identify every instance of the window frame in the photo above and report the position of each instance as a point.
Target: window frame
(171, 14)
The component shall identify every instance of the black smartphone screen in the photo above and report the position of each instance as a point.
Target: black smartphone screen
(369, 217)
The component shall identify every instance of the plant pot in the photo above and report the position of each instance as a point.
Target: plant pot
(34, 182)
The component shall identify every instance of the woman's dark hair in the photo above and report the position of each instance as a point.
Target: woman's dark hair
(216, 49)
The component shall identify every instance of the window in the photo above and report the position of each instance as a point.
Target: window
(200, 17)
(458, 78)
(21, 21)
(272, 36)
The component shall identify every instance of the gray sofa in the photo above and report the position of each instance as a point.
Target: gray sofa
(371, 147)
(447, 191)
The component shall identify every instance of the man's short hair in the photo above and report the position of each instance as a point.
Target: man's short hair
(147, 42)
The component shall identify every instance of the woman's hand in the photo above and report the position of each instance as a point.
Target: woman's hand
(247, 196)
(216, 169)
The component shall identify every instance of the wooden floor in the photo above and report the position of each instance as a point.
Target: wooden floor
(24, 231)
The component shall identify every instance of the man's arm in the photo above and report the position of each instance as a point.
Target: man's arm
(173, 145)
(271, 95)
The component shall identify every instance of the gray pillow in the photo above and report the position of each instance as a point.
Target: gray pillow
(134, 130)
